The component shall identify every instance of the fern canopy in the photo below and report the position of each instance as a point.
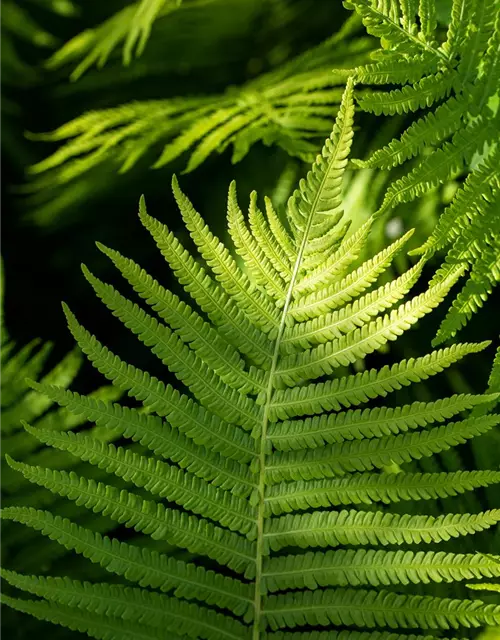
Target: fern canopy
(266, 465)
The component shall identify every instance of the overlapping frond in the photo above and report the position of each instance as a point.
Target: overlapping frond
(290, 106)
(454, 76)
(269, 447)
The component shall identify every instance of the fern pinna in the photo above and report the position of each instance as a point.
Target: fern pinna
(453, 74)
(263, 466)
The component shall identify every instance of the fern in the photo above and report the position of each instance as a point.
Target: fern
(290, 106)
(455, 76)
(229, 476)
(20, 402)
(132, 26)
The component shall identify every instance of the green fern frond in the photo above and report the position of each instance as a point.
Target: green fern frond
(457, 75)
(98, 626)
(263, 451)
(290, 106)
(130, 26)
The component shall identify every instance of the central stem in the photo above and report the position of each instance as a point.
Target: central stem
(261, 487)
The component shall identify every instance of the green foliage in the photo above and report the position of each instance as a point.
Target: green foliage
(290, 106)
(132, 25)
(278, 99)
(224, 472)
(454, 76)
(18, 28)
(19, 402)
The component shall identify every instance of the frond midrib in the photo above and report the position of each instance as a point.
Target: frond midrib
(261, 509)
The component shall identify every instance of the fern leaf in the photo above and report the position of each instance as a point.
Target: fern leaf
(199, 536)
(148, 568)
(132, 604)
(251, 301)
(182, 412)
(372, 567)
(368, 423)
(271, 237)
(356, 389)
(215, 302)
(256, 262)
(365, 455)
(343, 291)
(434, 128)
(371, 609)
(190, 327)
(253, 456)
(336, 264)
(131, 25)
(431, 171)
(334, 528)
(157, 477)
(355, 314)
(461, 14)
(384, 25)
(367, 488)
(189, 368)
(423, 93)
(345, 350)
(157, 436)
(96, 626)
(317, 200)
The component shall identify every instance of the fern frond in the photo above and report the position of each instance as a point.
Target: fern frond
(313, 207)
(208, 294)
(365, 455)
(256, 261)
(337, 528)
(190, 327)
(182, 413)
(324, 296)
(132, 26)
(97, 626)
(322, 359)
(187, 366)
(434, 128)
(355, 314)
(251, 456)
(157, 477)
(236, 284)
(423, 93)
(290, 106)
(456, 80)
